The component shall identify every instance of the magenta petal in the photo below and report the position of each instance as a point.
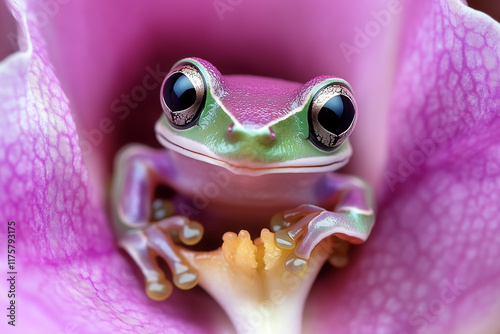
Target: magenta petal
(431, 265)
(436, 227)
(71, 277)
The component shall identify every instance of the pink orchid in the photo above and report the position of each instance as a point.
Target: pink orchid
(85, 81)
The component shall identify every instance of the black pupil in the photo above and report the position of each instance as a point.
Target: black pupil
(337, 114)
(179, 92)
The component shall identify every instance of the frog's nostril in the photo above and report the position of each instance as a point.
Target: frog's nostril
(232, 133)
(267, 137)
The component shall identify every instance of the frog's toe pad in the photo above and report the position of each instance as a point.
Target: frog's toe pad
(191, 233)
(158, 290)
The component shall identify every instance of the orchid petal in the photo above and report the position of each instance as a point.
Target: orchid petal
(68, 269)
(430, 265)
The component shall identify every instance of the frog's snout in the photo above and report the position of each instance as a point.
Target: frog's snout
(237, 133)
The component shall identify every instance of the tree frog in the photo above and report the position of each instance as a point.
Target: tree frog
(240, 151)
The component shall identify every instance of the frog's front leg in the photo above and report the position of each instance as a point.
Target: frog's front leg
(349, 222)
(139, 170)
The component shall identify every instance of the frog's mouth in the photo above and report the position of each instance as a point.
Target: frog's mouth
(303, 165)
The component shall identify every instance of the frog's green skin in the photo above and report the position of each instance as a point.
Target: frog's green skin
(248, 156)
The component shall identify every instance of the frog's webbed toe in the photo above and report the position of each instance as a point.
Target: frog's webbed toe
(303, 228)
(158, 240)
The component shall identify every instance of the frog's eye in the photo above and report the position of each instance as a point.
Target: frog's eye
(332, 116)
(183, 95)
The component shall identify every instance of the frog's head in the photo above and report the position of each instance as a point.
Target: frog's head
(254, 125)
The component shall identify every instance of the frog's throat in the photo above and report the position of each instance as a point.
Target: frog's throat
(249, 281)
(305, 166)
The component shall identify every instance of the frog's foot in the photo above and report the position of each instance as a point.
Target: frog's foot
(303, 228)
(159, 240)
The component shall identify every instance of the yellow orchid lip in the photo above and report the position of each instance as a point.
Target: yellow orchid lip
(249, 281)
